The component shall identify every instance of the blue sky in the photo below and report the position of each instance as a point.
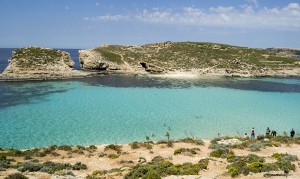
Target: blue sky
(91, 23)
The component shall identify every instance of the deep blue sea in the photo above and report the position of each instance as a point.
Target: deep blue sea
(123, 109)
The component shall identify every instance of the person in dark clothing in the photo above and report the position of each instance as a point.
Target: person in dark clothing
(252, 133)
(273, 133)
(292, 133)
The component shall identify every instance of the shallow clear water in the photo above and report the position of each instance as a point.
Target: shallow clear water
(122, 109)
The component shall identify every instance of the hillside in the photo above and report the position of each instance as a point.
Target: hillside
(206, 58)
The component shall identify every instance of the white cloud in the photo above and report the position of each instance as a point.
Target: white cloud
(107, 18)
(246, 16)
(67, 7)
(97, 4)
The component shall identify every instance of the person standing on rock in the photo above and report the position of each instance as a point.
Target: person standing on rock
(273, 133)
(292, 133)
(252, 133)
(268, 131)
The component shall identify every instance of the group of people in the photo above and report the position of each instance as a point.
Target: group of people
(268, 132)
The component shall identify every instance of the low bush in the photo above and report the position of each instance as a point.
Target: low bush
(254, 147)
(136, 145)
(178, 151)
(255, 167)
(79, 166)
(49, 167)
(114, 147)
(286, 156)
(192, 140)
(164, 168)
(233, 171)
(186, 150)
(65, 148)
(16, 176)
(221, 151)
(113, 156)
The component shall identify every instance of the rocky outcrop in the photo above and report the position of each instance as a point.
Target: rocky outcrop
(97, 59)
(39, 63)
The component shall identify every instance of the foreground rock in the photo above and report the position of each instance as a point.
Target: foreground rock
(40, 63)
(203, 58)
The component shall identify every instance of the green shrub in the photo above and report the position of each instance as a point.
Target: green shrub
(254, 147)
(260, 137)
(92, 147)
(286, 156)
(113, 156)
(254, 158)
(220, 152)
(192, 140)
(286, 166)
(114, 147)
(255, 167)
(79, 147)
(199, 142)
(2, 157)
(203, 163)
(178, 151)
(66, 173)
(152, 174)
(16, 176)
(49, 167)
(267, 167)
(65, 148)
(165, 168)
(79, 166)
(240, 165)
(29, 166)
(231, 157)
(134, 145)
(233, 172)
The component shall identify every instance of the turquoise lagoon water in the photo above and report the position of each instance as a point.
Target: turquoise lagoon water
(122, 109)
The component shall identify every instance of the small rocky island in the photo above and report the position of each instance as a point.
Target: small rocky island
(185, 58)
(40, 63)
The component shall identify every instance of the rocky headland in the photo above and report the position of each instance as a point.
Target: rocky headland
(193, 57)
(36, 63)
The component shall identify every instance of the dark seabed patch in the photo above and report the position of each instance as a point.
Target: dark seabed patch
(14, 93)
(288, 85)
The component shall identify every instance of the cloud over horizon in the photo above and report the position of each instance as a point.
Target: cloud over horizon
(245, 16)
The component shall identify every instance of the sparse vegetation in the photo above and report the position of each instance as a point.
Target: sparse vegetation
(35, 56)
(49, 167)
(186, 150)
(16, 176)
(190, 55)
(161, 167)
(114, 147)
(137, 145)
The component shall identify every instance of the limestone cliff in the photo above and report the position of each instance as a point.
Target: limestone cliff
(206, 58)
(39, 63)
